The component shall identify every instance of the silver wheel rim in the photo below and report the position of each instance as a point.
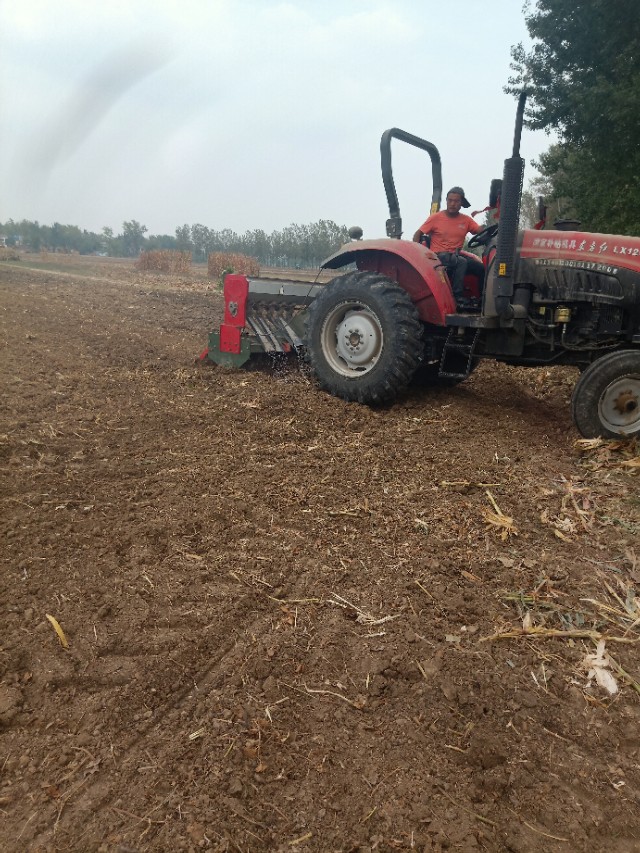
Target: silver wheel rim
(352, 339)
(619, 405)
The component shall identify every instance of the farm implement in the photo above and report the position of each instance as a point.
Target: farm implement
(260, 317)
(546, 297)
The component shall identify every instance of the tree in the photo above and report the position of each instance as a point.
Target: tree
(29, 234)
(183, 239)
(133, 239)
(228, 240)
(160, 242)
(583, 78)
(201, 241)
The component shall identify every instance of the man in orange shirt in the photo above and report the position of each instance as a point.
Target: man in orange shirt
(448, 229)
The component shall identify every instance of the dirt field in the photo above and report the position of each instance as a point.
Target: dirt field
(293, 623)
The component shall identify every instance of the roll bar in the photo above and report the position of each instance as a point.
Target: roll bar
(394, 223)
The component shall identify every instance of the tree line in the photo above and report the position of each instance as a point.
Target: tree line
(305, 246)
(583, 78)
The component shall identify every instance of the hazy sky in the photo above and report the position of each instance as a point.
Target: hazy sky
(249, 114)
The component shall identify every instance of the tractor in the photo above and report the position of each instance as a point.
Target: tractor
(548, 297)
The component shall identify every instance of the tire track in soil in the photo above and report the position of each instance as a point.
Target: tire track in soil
(202, 680)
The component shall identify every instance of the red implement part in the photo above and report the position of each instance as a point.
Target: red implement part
(236, 290)
(230, 339)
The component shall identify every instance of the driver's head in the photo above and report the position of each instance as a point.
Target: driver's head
(455, 200)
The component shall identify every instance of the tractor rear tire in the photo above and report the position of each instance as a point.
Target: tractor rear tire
(363, 338)
(606, 397)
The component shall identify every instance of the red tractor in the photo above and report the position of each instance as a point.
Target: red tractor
(548, 297)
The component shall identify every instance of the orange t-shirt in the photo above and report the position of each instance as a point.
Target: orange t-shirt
(448, 232)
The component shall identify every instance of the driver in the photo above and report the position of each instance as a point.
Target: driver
(448, 229)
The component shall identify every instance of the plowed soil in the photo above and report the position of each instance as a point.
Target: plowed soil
(293, 623)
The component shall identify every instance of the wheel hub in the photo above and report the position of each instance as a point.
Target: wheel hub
(352, 339)
(626, 403)
(619, 406)
(358, 338)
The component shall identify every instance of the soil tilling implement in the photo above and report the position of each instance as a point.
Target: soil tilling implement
(547, 297)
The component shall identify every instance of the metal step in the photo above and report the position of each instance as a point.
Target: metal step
(465, 347)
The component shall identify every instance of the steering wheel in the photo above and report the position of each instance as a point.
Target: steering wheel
(483, 237)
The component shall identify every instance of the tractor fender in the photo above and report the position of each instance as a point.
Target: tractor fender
(415, 268)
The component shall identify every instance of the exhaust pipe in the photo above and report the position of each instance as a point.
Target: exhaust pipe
(500, 287)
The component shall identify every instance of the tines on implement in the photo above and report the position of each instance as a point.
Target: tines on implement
(271, 324)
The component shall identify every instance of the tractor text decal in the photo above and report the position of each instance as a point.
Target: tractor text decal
(590, 246)
(601, 252)
(583, 265)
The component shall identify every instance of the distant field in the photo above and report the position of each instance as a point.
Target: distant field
(96, 267)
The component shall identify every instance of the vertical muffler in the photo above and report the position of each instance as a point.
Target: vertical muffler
(499, 300)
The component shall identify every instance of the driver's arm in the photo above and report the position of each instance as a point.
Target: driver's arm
(425, 229)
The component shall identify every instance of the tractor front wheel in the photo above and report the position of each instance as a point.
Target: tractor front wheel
(363, 338)
(606, 398)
